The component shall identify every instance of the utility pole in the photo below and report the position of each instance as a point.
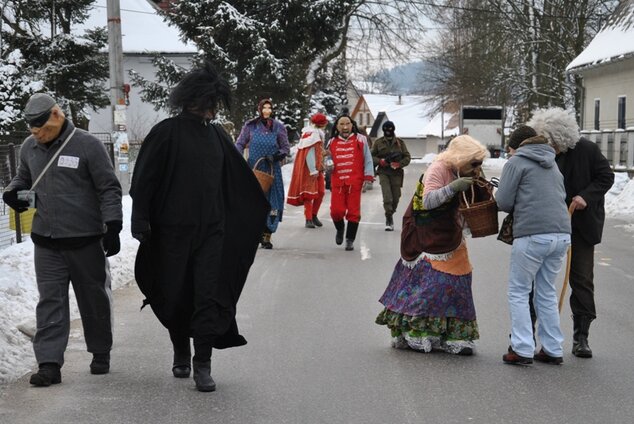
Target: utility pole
(118, 94)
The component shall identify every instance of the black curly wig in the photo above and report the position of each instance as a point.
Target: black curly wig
(200, 90)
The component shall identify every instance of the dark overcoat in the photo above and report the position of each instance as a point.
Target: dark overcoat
(587, 173)
(171, 178)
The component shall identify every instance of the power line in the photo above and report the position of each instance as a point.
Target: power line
(497, 12)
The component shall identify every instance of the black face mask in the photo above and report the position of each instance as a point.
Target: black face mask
(388, 132)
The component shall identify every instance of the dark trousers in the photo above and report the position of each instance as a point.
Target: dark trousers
(582, 277)
(87, 269)
(391, 190)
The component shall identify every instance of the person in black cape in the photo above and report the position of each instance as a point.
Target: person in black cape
(199, 213)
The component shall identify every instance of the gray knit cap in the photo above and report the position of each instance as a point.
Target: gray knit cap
(38, 105)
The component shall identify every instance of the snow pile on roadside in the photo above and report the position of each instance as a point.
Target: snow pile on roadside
(619, 201)
(19, 296)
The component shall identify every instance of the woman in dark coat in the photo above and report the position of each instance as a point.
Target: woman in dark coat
(198, 212)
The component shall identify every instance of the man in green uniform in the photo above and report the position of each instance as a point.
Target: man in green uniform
(390, 156)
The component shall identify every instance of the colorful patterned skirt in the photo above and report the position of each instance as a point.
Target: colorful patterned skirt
(431, 296)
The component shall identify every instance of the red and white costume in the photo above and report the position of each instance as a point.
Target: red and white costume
(307, 182)
(352, 166)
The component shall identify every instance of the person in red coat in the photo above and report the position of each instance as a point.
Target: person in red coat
(353, 168)
(307, 186)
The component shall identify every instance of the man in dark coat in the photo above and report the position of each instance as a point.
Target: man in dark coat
(198, 212)
(587, 177)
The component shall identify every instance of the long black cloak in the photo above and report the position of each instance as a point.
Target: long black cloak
(165, 156)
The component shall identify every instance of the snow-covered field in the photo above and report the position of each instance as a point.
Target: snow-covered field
(18, 291)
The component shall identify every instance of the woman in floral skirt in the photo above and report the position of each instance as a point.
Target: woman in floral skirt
(428, 301)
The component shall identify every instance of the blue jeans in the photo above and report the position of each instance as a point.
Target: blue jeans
(537, 258)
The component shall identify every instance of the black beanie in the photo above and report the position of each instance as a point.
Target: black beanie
(388, 124)
(520, 134)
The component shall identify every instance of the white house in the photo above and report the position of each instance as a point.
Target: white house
(144, 34)
(417, 121)
(606, 66)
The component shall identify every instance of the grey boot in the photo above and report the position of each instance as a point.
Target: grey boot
(580, 347)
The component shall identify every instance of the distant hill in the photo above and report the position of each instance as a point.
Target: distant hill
(404, 79)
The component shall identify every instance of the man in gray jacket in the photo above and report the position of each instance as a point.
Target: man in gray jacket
(77, 222)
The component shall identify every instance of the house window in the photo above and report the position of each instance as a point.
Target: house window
(360, 119)
(621, 112)
(597, 110)
(367, 118)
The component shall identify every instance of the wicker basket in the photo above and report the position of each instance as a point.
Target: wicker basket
(264, 178)
(481, 214)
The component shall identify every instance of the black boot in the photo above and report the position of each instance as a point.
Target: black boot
(181, 366)
(580, 347)
(100, 363)
(389, 223)
(351, 234)
(340, 226)
(317, 222)
(202, 365)
(266, 241)
(202, 376)
(48, 373)
(310, 223)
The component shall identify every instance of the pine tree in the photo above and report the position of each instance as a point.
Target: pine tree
(264, 50)
(71, 67)
(15, 88)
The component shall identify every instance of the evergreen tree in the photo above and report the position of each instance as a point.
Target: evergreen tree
(71, 67)
(15, 88)
(265, 50)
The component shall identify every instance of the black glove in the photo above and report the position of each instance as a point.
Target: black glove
(279, 156)
(11, 198)
(141, 231)
(111, 242)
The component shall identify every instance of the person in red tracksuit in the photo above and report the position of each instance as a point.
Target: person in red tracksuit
(353, 168)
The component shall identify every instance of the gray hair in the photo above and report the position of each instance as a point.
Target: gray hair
(557, 125)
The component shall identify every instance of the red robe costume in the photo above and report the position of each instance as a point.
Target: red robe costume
(304, 187)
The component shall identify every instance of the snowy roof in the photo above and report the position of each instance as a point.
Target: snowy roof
(615, 41)
(410, 114)
(143, 29)
(413, 116)
(435, 128)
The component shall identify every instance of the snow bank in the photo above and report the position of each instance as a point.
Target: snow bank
(18, 297)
